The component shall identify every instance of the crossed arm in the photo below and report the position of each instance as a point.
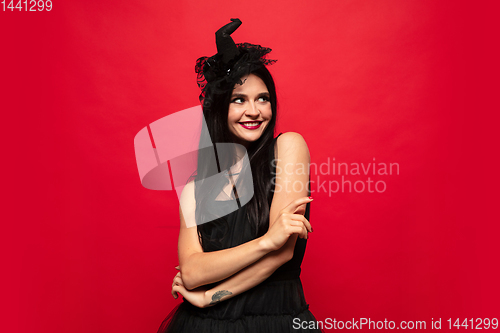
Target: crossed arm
(247, 265)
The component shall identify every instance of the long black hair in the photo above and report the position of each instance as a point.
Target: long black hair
(215, 111)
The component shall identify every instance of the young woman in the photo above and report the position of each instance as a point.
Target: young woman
(241, 272)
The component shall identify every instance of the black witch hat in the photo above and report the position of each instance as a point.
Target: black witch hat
(219, 73)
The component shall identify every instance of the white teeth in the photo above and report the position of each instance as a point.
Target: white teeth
(250, 124)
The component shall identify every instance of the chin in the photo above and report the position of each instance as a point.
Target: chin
(248, 138)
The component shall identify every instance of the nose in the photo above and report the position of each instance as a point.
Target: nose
(252, 110)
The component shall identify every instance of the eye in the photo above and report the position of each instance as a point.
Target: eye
(237, 100)
(263, 99)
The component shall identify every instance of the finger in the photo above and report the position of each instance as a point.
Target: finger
(300, 210)
(294, 205)
(176, 278)
(177, 281)
(177, 290)
(174, 293)
(296, 228)
(302, 218)
(302, 233)
(296, 223)
(299, 224)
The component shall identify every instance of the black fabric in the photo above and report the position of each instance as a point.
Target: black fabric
(225, 44)
(219, 77)
(269, 307)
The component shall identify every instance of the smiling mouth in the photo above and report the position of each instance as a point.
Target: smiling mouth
(251, 124)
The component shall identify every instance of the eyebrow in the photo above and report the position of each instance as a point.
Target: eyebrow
(238, 95)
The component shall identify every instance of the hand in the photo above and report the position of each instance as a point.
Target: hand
(197, 296)
(290, 221)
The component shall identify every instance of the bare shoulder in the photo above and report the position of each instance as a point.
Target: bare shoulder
(187, 205)
(292, 145)
(188, 191)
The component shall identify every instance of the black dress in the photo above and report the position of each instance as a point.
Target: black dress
(269, 307)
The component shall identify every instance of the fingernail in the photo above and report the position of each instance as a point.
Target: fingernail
(311, 198)
(312, 229)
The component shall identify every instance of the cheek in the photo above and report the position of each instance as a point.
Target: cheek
(268, 112)
(232, 115)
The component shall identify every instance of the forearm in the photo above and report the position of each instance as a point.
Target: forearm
(203, 268)
(252, 275)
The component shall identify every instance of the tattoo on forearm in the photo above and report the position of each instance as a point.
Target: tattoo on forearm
(217, 297)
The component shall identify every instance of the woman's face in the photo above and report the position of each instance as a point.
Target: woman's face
(249, 110)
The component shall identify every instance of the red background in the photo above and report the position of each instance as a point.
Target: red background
(85, 248)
